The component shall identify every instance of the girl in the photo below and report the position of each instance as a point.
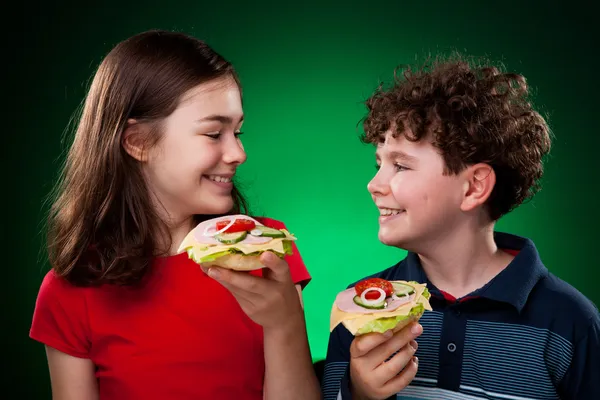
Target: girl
(121, 315)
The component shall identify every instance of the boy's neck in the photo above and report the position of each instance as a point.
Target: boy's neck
(464, 261)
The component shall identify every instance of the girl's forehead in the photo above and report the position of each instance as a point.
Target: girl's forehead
(210, 90)
(205, 101)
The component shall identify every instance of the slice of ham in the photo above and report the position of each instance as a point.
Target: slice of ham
(212, 223)
(345, 302)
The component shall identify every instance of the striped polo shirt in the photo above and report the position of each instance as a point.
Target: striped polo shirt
(525, 335)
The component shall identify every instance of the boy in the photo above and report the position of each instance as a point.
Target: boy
(458, 147)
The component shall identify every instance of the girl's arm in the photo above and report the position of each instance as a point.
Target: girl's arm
(289, 371)
(272, 301)
(72, 378)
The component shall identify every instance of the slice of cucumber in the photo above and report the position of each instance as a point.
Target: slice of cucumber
(231, 238)
(402, 289)
(377, 306)
(261, 230)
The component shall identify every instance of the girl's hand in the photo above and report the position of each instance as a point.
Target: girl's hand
(271, 300)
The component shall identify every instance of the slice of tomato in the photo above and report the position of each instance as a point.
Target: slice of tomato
(372, 295)
(374, 283)
(240, 225)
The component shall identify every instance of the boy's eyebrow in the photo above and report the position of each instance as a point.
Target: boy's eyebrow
(224, 119)
(403, 156)
(398, 155)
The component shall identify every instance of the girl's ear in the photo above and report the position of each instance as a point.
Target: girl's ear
(133, 140)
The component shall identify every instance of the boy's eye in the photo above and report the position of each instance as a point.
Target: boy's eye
(237, 134)
(397, 166)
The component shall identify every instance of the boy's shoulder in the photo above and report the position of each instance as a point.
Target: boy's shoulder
(566, 303)
(546, 300)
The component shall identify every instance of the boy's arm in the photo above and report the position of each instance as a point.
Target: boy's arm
(582, 378)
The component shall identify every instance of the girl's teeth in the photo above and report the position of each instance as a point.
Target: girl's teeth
(219, 179)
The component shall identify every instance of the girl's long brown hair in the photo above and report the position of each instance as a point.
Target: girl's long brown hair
(102, 228)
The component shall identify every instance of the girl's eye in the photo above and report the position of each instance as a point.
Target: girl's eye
(218, 135)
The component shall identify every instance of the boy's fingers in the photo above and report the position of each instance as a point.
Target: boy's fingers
(377, 348)
(361, 345)
(397, 342)
(392, 367)
(404, 378)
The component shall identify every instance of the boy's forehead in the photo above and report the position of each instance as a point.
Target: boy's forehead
(397, 146)
(389, 141)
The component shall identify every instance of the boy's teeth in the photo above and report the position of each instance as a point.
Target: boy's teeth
(219, 178)
(387, 211)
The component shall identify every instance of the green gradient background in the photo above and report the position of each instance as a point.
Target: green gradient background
(305, 73)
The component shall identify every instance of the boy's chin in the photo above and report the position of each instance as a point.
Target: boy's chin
(393, 239)
(401, 238)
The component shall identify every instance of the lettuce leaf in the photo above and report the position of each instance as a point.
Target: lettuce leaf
(287, 247)
(382, 325)
(211, 257)
(426, 293)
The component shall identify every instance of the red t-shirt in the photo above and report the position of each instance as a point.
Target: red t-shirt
(180, 336)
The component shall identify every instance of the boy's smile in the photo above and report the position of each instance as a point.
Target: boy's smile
(387, 214)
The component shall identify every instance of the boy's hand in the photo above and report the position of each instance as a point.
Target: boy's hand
(271, 300)
(374, 378)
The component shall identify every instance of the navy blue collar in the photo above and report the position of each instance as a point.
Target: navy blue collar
(513, 285)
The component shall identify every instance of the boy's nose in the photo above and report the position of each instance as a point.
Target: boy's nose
(377, 187)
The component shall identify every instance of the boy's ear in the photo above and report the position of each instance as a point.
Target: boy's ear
(480, 180)
(133, 140)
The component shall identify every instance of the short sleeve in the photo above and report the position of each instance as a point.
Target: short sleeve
(581, 380)
(60, 317)
(298, 270)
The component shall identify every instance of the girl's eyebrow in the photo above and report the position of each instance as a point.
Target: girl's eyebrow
(224, 119)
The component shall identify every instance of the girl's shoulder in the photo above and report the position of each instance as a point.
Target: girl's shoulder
(55, 287)
(270, 222)
(60, 317)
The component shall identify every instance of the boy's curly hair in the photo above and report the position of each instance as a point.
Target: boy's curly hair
(475, 113)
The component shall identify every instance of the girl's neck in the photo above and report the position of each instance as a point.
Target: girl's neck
(173, 227)
(172, 234)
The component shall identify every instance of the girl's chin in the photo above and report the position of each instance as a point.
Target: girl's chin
(219, 205)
